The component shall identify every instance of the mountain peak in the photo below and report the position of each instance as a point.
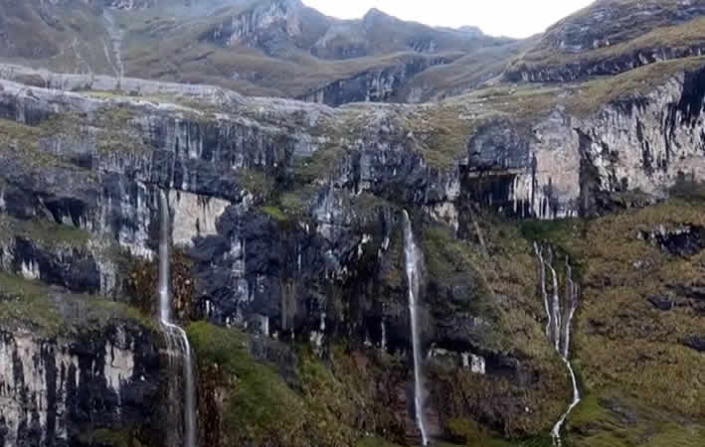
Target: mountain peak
(376, 14)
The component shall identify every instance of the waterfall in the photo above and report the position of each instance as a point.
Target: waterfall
(413, 280)
(544, 294)
(176, 339)
(560, 341)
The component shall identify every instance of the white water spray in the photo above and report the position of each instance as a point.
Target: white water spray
(556, 310)
(555, 337)
(413, 280)
(544, 293)
(177, 341)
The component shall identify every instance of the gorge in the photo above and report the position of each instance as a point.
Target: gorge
(227, 222)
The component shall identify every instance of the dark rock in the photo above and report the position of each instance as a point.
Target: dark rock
(661, 303)
(697, 343)
(684, 241)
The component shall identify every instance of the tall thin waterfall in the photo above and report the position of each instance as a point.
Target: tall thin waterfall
(559, 333)
(178, 345)
(412, 276)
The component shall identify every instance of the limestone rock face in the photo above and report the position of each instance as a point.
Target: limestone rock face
(74, 370)
(58, 391)
(218, 167)
(286, 215)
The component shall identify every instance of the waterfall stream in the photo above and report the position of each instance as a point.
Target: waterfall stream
(413, 280)
(178, 345)
(560, 341)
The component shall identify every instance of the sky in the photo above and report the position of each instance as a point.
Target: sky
(511, 18)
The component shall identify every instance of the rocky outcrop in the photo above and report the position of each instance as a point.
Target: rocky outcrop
(76, 371)
(682, 241)
(608, 66)
(382, 85)
(611, 37)
(64, 392)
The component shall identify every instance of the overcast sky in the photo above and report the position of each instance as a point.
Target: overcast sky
(513, 18)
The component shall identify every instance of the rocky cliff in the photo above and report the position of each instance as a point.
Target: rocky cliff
(289, 269)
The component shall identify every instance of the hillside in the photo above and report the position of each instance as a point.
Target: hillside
(505, 249)
(271, 47)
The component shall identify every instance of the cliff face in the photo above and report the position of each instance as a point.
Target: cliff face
(286, 217)
(612, 37)
(289, 213)
(75, 372)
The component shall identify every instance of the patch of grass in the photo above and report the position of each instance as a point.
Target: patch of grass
(441, 132)
(275, 213)
(32, 305)
(259, 406)
(318, 166)
(334, 400)
(626, 351)
(375, 442)
(551, 231)
(464, 73)
(524, 102)
(257, 183)
(44, 233)
(500, 285)
(591, 96)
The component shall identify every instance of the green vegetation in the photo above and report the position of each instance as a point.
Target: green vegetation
(627, 34)
(441, 132)
(318, 166)
(498, 285)
(275, 213)
(260, 407)
(24, 141)
(593, 95)
(31, 305)
(328, 403)
(642, 384)
(44, 233)
(257, 183)
(465, 72)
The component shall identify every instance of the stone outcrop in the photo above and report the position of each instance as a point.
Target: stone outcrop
(612, 37)
(74, 371)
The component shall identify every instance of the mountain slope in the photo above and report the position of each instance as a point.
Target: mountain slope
(272, 47)
(287, 220)
(611, 37)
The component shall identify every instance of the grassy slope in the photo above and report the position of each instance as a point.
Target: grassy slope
(161, 45)
(32, 305)
(633, 32)
(642, 385)
(329, 403)
(464, 73)
(43, 233)
(68, 38)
